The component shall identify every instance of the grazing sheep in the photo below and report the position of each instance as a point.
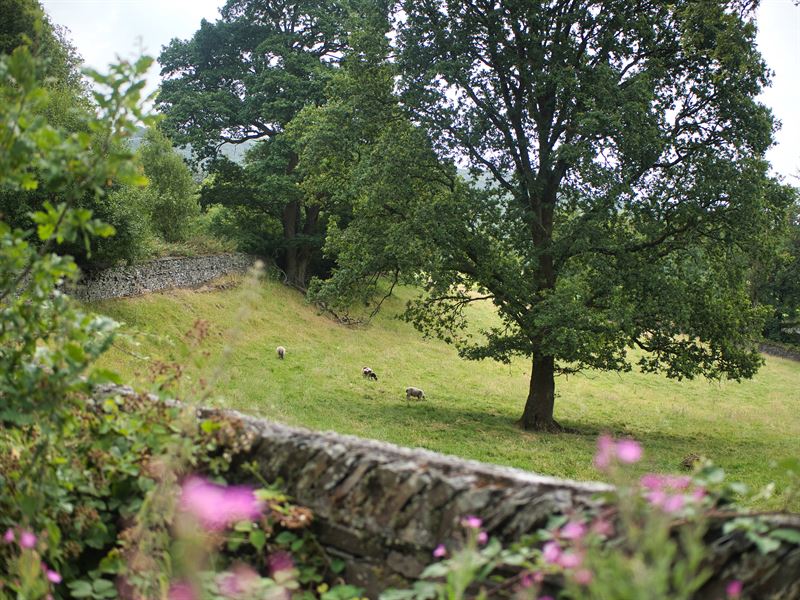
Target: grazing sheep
(412, 392)
(281, 352)
(369, 373)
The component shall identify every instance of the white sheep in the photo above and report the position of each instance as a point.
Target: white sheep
(412, 392)
(281, 352)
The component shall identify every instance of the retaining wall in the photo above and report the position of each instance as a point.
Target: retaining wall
(160, 274)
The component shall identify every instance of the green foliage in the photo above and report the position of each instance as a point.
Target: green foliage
(172, 192)
(385, 189)
(125, 208)
(243, 78)
(25, 23)
(777, 281)
(62, 103)
(246, 75)
(47, 344)
(625, 147)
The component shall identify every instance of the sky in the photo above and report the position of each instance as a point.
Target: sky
(103, 29)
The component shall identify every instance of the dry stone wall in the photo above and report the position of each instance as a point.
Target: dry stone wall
(160, 274)
(780, 351)
(384, 508)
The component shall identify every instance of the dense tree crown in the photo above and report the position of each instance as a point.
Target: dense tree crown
(626, 149)
(624, 198)
(245, 77)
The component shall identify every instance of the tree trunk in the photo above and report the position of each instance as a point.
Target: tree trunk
(298, 256)
(538, 414)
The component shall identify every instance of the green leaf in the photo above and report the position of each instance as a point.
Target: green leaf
(285, 537)
(787, 535)
(102, 585)
(764, 544)
(80, 589)
(338, 565)
(258, 538)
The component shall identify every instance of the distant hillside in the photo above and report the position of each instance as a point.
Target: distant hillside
(235, 152)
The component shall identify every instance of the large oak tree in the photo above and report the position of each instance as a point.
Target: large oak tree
(624, 148)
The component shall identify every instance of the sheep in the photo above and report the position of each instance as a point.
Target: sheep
(369, 373)
(412, 392)
(281, 352)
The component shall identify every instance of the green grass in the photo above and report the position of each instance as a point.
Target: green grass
(471, 407)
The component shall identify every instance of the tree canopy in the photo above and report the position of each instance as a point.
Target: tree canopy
(245, 77)
(625, 148)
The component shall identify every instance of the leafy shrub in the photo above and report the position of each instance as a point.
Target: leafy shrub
(172, 193)
(125, 209)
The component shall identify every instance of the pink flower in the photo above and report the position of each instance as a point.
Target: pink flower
(181, 591)
(654, 481)
(27, 539)
(483, 537)
(280, 561)
(605, 452)
(698, 494)
(570, 560)
(629, 451)
(217, 506)
(583, 577)
(551, 552)
(472, 522)
(527, 580)
(603, 528)
(8, 536)
(236, 582)
(669, 503)
(574, 530)
(440, 551)
(734, 589)
(673, 503)
(545, 598)
(53, 576)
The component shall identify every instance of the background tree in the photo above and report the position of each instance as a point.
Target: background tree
(777, 282)
(625, 147)
(172, 193)
(381, 179)
(244, 78)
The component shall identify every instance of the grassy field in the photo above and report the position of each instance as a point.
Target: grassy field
(471, 407)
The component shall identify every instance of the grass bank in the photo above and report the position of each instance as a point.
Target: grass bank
(471, 407)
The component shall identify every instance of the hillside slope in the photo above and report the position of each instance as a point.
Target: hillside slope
(471, 407)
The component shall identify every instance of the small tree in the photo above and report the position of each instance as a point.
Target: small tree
(625, 148)
(172, 191)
